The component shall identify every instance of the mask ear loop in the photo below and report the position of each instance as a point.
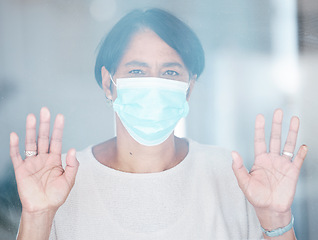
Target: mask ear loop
(110, 101)
(189, 83)
(111, 78)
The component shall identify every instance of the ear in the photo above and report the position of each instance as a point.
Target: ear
(192, 82)
(106, 83)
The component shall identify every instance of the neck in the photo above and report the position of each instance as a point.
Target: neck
(134, 157)
(141, 159)
(123, 153)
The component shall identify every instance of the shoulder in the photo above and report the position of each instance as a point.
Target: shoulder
(84, 181)
(221, 194)
(205, 149)
(212, 168)
(213, 158)
(85, 171)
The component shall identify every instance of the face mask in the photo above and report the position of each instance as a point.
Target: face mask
(150, 108)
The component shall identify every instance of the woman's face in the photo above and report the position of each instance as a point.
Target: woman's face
(147, 55)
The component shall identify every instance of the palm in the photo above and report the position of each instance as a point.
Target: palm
(38, 180)
(271, 183)
(42, 182)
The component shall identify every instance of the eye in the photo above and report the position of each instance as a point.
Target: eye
(171, 73)
(136, 71)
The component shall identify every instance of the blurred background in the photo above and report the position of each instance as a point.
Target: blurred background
(260, 55)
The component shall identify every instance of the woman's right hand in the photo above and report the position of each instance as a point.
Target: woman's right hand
(43, 184)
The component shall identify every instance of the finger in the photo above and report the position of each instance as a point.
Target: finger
(30, 135)
(57, 134)
(71, 167)
(14, 150)
(300, 157)
(44, 131)
(292, 136)
(240, 171)
(275, 141)
(259, 137)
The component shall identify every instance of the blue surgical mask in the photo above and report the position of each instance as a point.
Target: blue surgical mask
(150, 108)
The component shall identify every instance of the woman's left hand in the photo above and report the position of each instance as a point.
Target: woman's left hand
(271, 184)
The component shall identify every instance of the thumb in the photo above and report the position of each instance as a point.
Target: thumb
(242, 175)
(71, 167)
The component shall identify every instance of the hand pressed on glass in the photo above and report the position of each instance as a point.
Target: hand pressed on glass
(43, 184)
(271, 184)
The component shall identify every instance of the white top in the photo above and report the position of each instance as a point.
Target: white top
(197, 199)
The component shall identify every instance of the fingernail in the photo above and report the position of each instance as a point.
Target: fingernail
(235, 157)
(73, 152)
(279, 113)
(12, 137)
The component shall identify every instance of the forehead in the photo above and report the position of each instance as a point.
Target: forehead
(147, 46)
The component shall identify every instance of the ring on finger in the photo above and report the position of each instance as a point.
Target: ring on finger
(288, 154)
(30, 153)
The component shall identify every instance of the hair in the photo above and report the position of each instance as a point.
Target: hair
(170, 29)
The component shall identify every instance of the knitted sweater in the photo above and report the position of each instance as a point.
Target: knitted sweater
(197, 199)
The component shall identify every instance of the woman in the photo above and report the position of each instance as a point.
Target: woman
(146, 183)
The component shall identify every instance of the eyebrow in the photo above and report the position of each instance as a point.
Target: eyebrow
(136, 63)
(172, 64)
(143, 64)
